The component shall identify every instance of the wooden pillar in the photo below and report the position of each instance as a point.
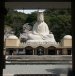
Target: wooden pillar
(33, 52)
(57, 51)
(3, 12)
(24, 50)
(17, 51)
(46, 51)
(73, 59)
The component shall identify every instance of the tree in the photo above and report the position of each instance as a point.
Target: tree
(15, 20)
(59, 22)
(31, 19)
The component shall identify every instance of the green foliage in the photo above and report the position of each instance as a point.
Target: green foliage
(15, 20)
(59, 22)
(31, 19)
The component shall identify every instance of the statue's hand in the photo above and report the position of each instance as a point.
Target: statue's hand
(35, 33)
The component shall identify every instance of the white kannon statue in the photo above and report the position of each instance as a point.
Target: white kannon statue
(40, 30)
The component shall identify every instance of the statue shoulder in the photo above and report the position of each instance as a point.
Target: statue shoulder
(44, 23)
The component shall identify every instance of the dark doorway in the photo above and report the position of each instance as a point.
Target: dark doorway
(52, 50)
(40, 50)
(69, 51)
(10, 51)
(29, 50)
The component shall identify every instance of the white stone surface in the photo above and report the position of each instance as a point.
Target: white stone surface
(44, 43)
(12, 37)
(67, 37)
(40, 29)
(8, 74)
(40, 34)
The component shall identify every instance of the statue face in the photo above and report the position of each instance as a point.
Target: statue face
(40, 17)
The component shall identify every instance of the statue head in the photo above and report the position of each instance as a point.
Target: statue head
(40, 17)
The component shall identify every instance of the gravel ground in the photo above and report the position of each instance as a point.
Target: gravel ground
(11, 70)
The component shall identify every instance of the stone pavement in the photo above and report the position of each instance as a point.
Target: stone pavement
(11, 70)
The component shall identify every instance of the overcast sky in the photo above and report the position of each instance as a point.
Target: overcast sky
(29, 11)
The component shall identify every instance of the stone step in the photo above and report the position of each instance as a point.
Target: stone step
(36, 57)
(8, 74)
(36, 75)
(40, 62)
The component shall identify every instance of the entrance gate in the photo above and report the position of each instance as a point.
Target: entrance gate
(28, 50)
(40, 50)
(52, 50)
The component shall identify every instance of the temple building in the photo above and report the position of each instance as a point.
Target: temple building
(38, 41)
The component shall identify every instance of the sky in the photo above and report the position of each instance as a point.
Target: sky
(29, 11)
